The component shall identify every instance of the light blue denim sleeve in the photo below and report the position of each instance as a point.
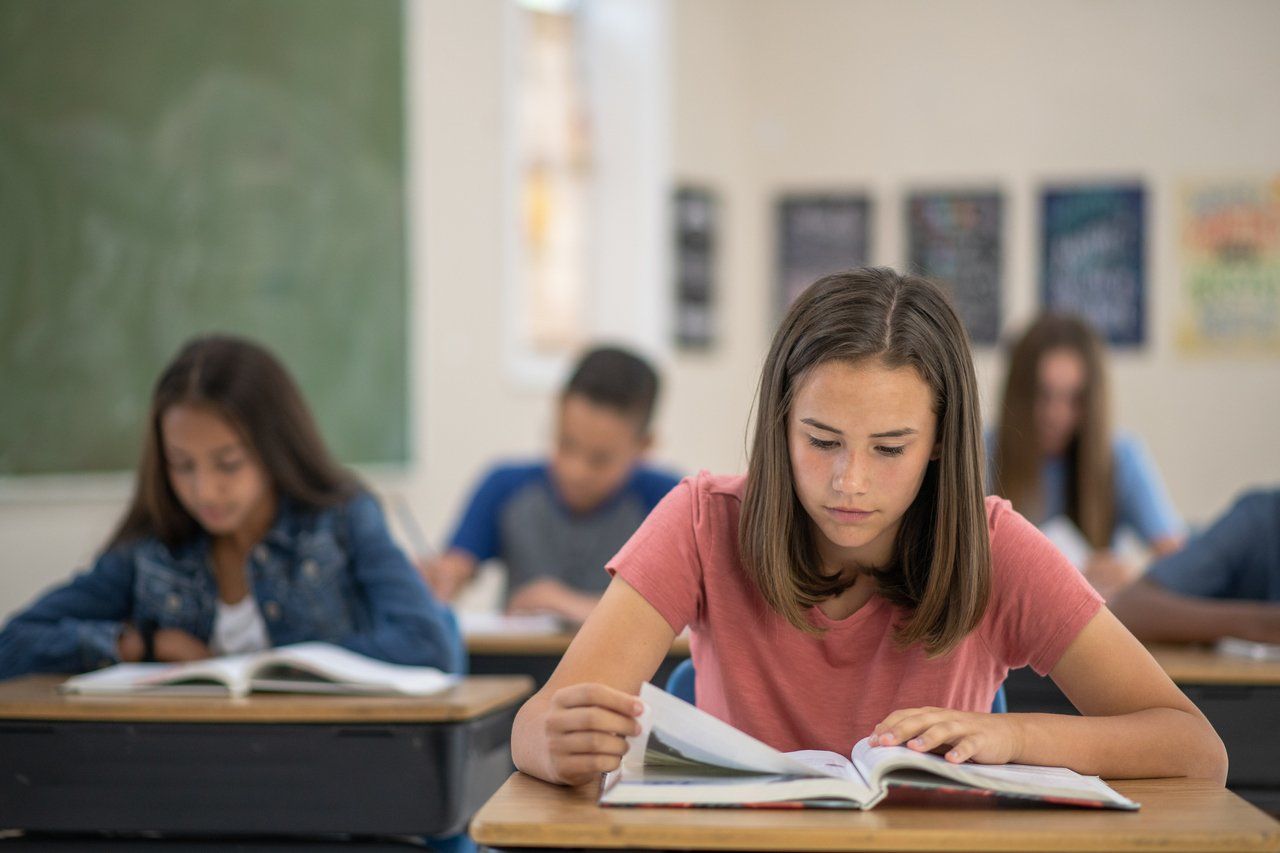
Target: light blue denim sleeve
(74, 627)
(1141, 499)
(1235, 558)
(410, 626)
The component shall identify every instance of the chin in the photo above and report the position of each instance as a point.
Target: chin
(851, 539)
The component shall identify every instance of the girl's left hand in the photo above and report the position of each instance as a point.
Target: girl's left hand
(962, 735)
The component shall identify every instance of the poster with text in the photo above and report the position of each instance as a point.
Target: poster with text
(1229, 298)
(1093, 258)
(954, 239)
(819, 235)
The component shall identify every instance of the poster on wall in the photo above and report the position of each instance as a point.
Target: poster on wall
(695, 223)
(817, 235)
(1229, 298)
(954, 238)
(1093, 258)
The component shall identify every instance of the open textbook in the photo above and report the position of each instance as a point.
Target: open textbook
(298, 668)
(1236, 647)
(686, 757)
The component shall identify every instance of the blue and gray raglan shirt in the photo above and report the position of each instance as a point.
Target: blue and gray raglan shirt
(516, 516)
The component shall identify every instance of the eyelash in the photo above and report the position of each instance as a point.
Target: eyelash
(884, 449)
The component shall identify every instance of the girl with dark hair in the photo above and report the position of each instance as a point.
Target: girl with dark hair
(1055, 454)
(856, 583)
(242, 534)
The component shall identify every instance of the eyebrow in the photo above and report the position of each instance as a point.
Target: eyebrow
(893, 433)
(221, 451)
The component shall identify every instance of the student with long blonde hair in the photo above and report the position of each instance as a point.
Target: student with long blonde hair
(855, 581)
(1055, 454)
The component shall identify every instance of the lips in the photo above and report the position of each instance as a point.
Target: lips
(849, 515)
(215, 515)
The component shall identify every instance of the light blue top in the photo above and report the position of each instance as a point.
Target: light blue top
(1142, 503)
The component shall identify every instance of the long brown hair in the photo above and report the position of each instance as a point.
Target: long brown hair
(246, 385)
(1090, 486)
(941, 566)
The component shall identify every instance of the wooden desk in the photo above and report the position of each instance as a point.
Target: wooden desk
(1176, 815)
(270, 764)
(536, 655)
(1240, 697)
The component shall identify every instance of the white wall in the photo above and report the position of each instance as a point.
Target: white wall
(772, 95)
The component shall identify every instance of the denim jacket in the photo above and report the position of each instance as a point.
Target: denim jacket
(333, 575)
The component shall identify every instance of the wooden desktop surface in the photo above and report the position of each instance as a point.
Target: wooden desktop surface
(1204, 665)
(1176, 815)
(542, 644)
(36, 697)
(1184, 664)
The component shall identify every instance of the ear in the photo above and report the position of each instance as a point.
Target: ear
(645, 442)
(937, 452)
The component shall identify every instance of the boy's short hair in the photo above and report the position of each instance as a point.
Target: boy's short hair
(618, 379)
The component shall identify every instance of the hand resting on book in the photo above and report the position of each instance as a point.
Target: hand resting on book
(959, 736)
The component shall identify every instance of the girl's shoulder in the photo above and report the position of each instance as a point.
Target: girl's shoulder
(704, 502)
(710, 492)
(1021, 555)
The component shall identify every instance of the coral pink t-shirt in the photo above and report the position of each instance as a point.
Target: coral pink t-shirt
(798, 691)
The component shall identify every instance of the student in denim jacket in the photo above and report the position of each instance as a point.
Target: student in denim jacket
(243, 534)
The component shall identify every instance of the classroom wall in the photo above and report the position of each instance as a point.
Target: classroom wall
(774, 95)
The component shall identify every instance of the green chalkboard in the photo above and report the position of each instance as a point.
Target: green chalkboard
(169, 167)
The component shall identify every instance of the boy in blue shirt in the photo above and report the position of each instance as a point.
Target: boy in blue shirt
(1224, 583)
(555, 523)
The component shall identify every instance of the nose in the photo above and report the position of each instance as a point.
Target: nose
(850, 475)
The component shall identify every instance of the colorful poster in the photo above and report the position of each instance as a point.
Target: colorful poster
(1229, 300)
(695, 221)
(954, 238)
(819, 235)
(1093, 258)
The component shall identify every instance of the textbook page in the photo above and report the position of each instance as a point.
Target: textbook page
(295, 668)
(674, 732)
(686, 757)
(198, 678)
(1250, 649)
(876, 763)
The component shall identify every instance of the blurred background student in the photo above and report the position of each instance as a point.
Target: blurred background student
(1224, 583)
(243, 534)
(1055, 455)
(555, 522)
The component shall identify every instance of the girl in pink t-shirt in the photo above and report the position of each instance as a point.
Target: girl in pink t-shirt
(856, 583)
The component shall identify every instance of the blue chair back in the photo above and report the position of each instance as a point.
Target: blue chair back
(999, 705)
(680, 683)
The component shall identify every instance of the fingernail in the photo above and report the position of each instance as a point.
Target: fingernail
(637, 708)
(887, 739)
(875, 740)
(916, 742)
(953, 755)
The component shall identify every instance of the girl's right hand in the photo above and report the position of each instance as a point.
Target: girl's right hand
(586, 729)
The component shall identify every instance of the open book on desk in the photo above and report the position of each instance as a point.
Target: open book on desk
(686, 757)
(297, 668)
(1250, 649)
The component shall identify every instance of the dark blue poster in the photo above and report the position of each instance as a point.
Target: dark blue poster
(954, 239)
(819, 235)
(1093, 258)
